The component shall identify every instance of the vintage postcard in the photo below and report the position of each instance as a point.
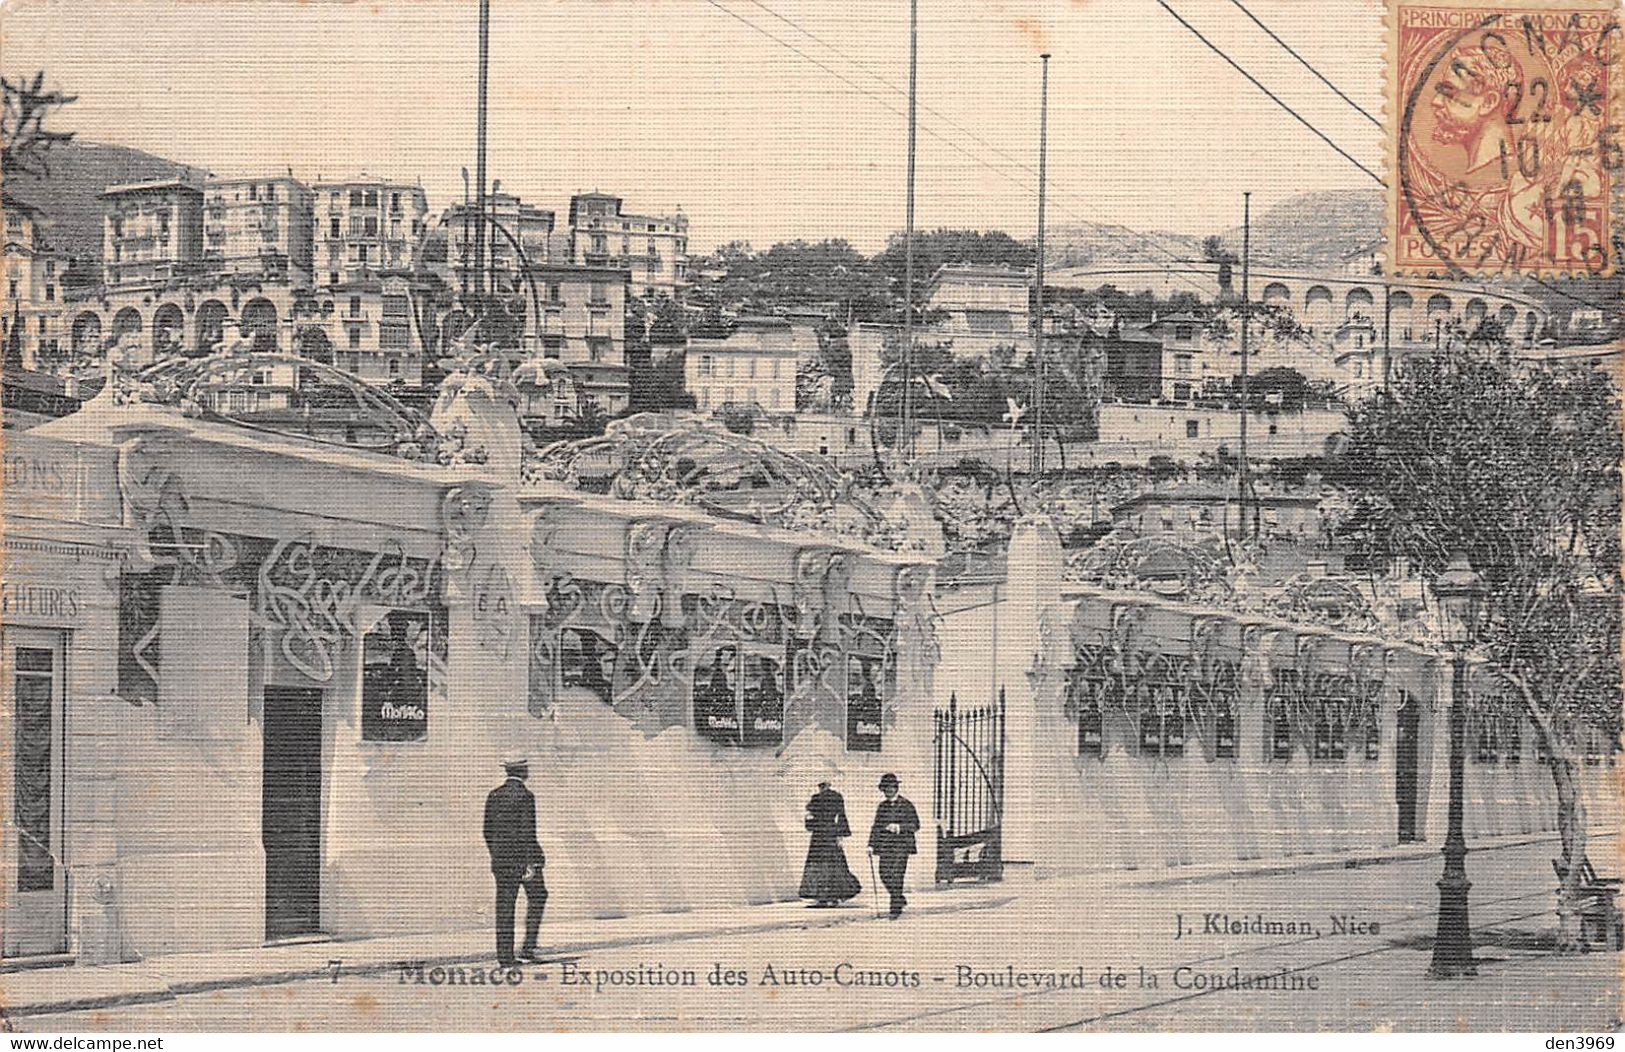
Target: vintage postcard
(809, 515)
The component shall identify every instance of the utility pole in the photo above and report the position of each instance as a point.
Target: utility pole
(1038, 332)
(1387, 329)
(1246, 260)
(907, 431)
(479, 152)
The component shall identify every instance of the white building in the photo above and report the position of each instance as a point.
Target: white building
(754, 365)
(366, 226)
(260, 226)
(653, 248)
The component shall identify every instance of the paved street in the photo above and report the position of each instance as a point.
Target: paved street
(1338, 949)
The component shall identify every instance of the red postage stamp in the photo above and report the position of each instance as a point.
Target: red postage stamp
(1504, 152)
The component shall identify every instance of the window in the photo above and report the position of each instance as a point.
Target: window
(706, 365)
(394, 202)
(394, 366)
(773, 398)
(1183, 332)
(1191, 429)
(600, 348)
(253, 192)
(775, 368)
(1373, 740)
(1089, 689)
(1488, 742)
(1162, 725)
(1512, 742)
(395, 306)
(1182, 364)
(332, 277)
(372, 198)
(355, 338)
(394, 337)
(362, 255)
(370, 226)
(356, 198)
(555, 293)
(600, 294)
(750, 367)
(355, 306)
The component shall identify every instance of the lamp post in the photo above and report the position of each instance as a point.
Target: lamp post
(1460, 592)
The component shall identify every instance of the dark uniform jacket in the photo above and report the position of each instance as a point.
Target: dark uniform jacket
(510, 829)
(901, 812)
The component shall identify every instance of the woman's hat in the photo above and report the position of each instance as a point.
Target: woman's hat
(888, 781)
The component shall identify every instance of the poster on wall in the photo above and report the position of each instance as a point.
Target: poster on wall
(395, 677)
(587, 660)
(762, 706)
(864, 709)
(716, 705)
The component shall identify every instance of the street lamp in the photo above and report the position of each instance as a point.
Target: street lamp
(1460, 592)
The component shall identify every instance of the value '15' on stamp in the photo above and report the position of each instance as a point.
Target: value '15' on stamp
(1504, 151)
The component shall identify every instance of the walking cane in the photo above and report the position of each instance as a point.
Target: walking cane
(874, 885)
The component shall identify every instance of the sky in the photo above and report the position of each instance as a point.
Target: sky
(680, 103)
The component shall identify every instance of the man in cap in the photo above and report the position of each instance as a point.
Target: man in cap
(891, 839)
(516, 859)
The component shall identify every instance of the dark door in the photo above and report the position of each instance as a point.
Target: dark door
(1405, 754)
(291, 811)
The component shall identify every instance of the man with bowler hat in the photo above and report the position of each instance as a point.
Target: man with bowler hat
(891, 838)
(516, 859)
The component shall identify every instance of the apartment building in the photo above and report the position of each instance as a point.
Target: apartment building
(583, 325)
(653, 249)
(259, 226)
(366, 228)
(152, 231)
(31, 312)
(371, 330)
(517, 227)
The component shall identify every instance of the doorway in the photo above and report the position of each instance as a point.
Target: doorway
(37, 898)
(1405, 760)
(291, 811)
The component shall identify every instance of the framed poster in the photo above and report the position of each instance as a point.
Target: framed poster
(864, 703)
(395, 677)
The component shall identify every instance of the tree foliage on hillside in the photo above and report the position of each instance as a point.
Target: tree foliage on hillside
(1519, 469)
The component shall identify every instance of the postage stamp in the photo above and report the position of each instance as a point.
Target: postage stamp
(1504, 153)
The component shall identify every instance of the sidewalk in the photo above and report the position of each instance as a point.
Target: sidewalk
(46, 991)
(50, 990)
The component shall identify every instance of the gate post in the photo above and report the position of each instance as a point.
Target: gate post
(1034, 567)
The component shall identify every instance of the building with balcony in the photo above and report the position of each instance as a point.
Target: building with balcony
(366, 227)
(261, 226)
(31, 312)
(583, 327)
(371, 331)
(654, 249)
(151, 231)
(754, 365)
(518, 227)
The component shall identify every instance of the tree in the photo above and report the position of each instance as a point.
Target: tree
(26, 140)
(1520, 469)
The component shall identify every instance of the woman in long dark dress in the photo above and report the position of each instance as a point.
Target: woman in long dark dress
(826, 879)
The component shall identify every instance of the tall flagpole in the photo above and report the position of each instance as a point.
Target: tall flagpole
(1246, 324)
(1038, 331)
(479, 151)
(907, 435)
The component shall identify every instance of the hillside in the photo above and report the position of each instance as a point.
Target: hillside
(80, 171)
(1314, 228)
(1104, 244)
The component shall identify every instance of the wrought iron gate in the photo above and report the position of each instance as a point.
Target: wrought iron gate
(968, 794)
